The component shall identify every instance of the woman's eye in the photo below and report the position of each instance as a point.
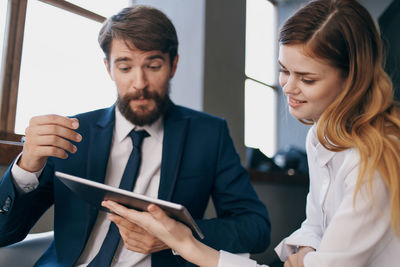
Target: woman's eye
(306, 81)
(283, 71)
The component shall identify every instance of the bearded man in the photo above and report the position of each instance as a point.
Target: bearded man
(186, 157)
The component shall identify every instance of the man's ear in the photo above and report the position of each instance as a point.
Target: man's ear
(108, 68)
(174, 66)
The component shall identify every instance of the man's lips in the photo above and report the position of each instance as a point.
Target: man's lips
(140, 100)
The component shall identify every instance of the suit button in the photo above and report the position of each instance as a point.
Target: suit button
(7, 204)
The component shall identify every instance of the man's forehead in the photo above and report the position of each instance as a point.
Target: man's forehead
(125, 49)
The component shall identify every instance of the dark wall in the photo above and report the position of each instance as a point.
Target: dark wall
(389, 23)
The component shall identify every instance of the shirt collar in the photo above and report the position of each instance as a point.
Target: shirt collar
(123, 127)
(323, 155)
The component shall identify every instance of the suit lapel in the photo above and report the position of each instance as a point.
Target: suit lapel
(98, 154)
(100, 145)
(175, 128)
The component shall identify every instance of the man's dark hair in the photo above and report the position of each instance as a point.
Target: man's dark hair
(145, 27)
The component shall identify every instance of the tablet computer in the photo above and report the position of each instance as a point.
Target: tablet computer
(94, 193)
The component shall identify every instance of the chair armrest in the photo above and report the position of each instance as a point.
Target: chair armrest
(27, 251)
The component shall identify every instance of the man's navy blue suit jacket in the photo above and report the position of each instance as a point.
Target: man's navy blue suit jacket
(198, 161)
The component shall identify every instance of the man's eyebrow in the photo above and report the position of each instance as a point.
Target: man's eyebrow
(122, 59)
(128, 59)
(298, 72)
(156, 57)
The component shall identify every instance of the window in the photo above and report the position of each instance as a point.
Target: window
(3, 15)
(261, 72)
(62, 69)
(102, 7)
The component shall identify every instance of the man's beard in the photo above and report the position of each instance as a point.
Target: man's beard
(143, 116)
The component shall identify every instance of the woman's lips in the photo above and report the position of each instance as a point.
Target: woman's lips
(295, 102)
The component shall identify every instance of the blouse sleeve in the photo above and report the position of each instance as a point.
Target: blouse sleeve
(310, 232)
(358, 229)
(227, 259)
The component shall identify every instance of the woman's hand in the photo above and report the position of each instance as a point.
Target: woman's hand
(155, 222)
(174, 234)
(296, 260)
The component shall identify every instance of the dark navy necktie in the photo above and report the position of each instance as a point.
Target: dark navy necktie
(110, 244)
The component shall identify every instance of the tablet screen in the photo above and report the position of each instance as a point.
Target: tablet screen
(94, 193)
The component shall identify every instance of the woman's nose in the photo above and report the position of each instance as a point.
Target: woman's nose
(290, 86)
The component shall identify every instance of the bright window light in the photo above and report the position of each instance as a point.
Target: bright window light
(3, 14)
(260, 99)
(104, 8)
(261, 41)
(62, 69)
(260, 117)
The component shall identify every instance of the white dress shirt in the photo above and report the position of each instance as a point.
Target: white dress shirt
(341, 233)
(147, 183)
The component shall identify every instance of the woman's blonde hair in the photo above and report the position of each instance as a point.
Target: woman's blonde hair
(365, 116)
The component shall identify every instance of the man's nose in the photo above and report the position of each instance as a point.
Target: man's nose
(139, 79)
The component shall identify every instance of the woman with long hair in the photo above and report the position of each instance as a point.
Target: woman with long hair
(331, 60)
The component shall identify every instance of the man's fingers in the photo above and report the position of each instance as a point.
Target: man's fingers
(143, 243)
(51, 130)
(55, 142)
(71, 123)
(51, 151)
(48, 136)
(136, 238)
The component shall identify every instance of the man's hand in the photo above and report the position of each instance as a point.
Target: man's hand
(136, 238)
(47, 136)
(296, 260)
(177, 235)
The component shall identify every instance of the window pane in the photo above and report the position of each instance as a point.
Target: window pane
(261, 41)
(62, 69)
(260, 117)
(3, 14)
(102, 7)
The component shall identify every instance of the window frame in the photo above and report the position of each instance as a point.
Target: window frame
(10, 143)
(11, 64)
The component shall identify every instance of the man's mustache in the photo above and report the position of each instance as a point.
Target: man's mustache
(140, 94)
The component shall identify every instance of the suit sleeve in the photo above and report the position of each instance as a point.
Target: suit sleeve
(242, 224)
(20, 211)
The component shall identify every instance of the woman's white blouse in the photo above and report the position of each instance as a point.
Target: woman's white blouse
(227, 259)
(343, 232)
